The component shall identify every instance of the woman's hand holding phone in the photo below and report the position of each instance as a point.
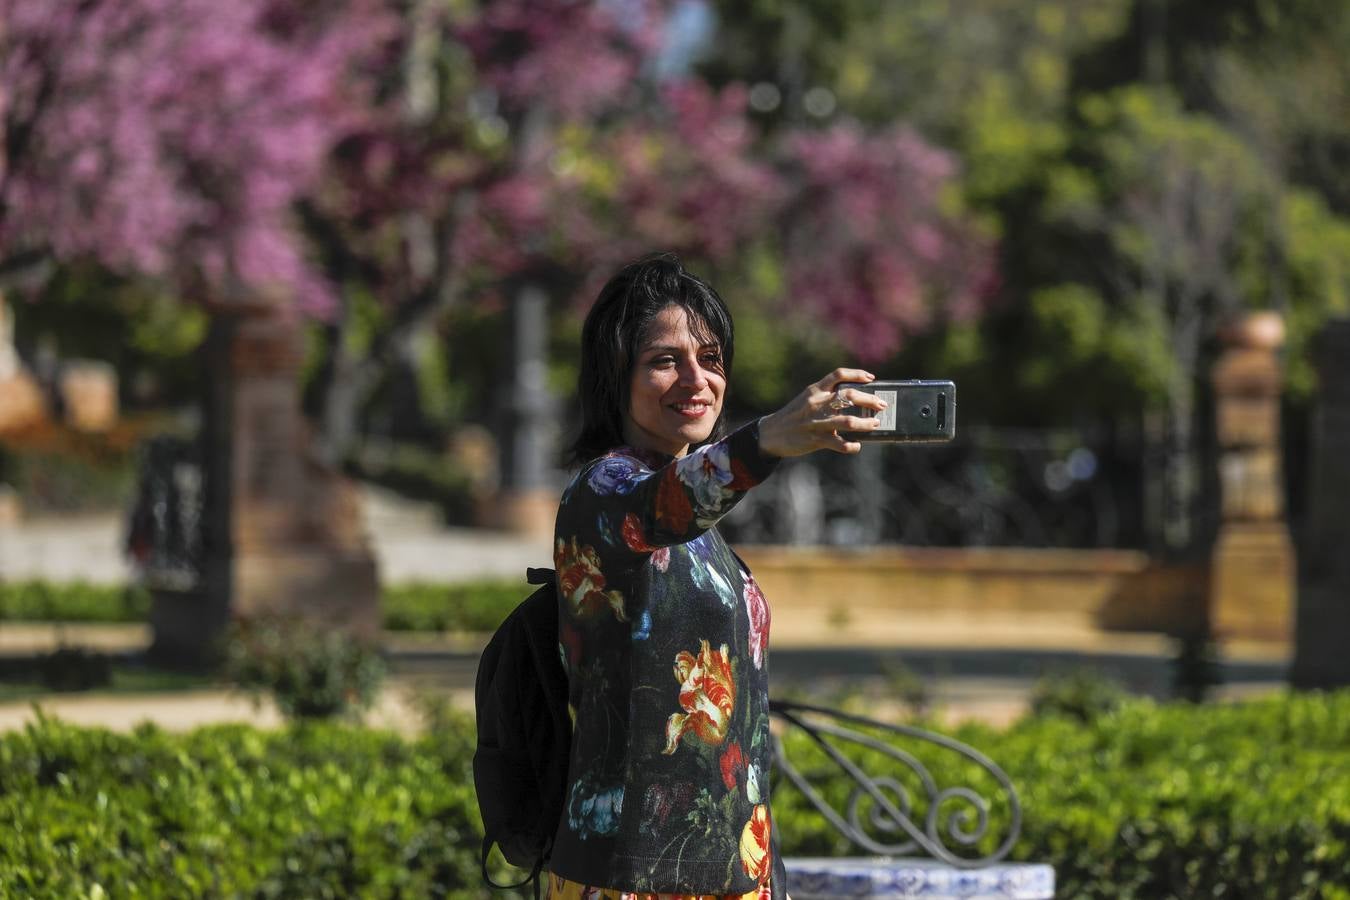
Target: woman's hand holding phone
(812, 420)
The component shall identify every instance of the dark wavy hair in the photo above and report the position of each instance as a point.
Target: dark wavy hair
(613, 332)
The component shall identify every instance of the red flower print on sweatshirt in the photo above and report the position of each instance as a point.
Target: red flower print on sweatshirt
(582, 583)
(732, 762)
(708, 695)
(755, 856)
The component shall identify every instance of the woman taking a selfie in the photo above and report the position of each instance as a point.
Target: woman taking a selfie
(663, 632)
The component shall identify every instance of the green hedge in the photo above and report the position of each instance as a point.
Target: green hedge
(315, 811)
(1249, 801)
(471, 606)
(1148, 802)
(77, 601)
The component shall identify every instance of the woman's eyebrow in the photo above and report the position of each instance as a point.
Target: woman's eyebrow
(671, 348)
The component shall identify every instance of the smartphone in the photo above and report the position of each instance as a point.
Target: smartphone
(916, 411)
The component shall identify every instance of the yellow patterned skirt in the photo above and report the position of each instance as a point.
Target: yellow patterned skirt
(560, 888)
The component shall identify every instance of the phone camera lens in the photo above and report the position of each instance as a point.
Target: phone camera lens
(926, 411)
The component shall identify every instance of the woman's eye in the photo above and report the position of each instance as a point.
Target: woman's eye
(663, 361)
(711, 359)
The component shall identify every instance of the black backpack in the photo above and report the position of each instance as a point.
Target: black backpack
(524, 733)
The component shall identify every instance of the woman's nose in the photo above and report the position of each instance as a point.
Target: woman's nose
(693, 375)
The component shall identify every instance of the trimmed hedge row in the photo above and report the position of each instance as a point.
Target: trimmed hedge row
(472, 606)
(75, 601)
(1249, 800)
(316, 811)
(1145, 802)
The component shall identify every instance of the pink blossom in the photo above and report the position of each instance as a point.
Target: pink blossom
(172, 137)
(572, 56)
(869, 248)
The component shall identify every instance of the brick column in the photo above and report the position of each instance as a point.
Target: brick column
(1252, 580)
(1321, 658)
(299, 540)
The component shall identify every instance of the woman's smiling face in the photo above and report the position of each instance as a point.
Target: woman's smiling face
(675, 391)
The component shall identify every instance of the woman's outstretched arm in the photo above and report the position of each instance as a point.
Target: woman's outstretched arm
(637, 510)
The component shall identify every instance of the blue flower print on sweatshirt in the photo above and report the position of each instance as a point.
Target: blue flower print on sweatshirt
(614, 475)
(594, 813)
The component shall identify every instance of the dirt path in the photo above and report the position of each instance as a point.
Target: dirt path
(186, 710)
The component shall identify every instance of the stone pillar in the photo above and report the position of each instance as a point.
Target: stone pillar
(282, 532)
(1252, 568)
(22, 404)
(1320, 655)
(299, 539)
(529, 499)
(88, 392)
(9, 357)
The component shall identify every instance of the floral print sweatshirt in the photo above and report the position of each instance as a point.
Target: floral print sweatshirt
(664, 636)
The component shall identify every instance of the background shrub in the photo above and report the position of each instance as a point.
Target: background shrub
(1082, 694)
(311, 673)
(75, 669)
(56, 469)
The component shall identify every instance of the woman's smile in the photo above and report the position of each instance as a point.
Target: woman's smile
(692, 409)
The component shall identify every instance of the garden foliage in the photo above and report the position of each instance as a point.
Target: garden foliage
(311, 673)
(413, 606)
(1144, 801)
(71, 601)
(1249, 800)
(313, 811)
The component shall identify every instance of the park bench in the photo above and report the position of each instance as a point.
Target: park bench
(915, 849)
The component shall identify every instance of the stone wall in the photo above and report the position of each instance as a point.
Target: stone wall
(882, 588)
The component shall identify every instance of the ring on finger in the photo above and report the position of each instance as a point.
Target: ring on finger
(837, 402)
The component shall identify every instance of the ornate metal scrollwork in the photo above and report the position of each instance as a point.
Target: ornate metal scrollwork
(164, 528)
(889, 826)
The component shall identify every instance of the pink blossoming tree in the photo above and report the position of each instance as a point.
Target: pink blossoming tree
(171, 137)
(432, 152)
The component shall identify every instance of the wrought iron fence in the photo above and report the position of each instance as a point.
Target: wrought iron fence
(164, 529)
(990, 487)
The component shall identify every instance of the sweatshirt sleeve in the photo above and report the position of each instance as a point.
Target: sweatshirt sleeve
(637, 510)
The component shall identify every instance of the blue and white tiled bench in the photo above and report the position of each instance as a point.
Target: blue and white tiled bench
(837, 879)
